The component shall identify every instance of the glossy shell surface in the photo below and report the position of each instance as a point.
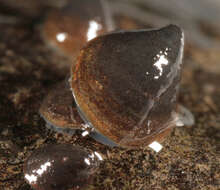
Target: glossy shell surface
(72, 26)
(59, 109)
(60, 167)
(126, 83)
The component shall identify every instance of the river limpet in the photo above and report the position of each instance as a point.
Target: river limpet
(60, 167)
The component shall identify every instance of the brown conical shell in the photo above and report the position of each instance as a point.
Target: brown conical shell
(125, 83)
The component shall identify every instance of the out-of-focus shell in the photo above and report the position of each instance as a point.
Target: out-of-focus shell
(70, 27)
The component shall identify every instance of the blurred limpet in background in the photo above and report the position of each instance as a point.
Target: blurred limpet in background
(70, 27)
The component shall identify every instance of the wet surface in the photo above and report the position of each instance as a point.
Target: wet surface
(127, 90)
(190, 158)
(69, 28)
(60, 167)
(59, 109)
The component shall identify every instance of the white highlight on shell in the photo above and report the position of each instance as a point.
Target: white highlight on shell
(94, 27)
(85, 127)
(87, 161)
(43, 168)
(98, 155)
(33, 178)
(61, 37)
(161, 61)
(155, 146)
(92, 156)
(85, 133)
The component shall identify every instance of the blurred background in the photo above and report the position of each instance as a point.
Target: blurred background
(199, 18)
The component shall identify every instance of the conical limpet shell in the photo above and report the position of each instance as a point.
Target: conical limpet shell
(125, 89)
(126, 83)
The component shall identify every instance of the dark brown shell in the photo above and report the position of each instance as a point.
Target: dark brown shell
(60, 167)
(72, 23)
(58, 108)
(125, 83)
